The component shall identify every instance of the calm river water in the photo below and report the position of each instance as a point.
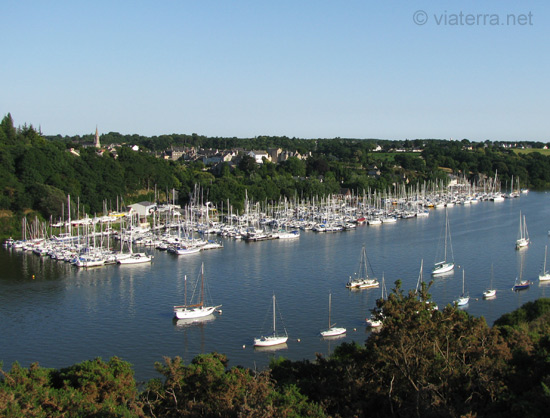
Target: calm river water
(65, 315)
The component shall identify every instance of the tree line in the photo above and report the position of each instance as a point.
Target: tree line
(423, 362)
(37, 173)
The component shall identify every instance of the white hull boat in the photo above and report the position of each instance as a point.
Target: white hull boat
(289, 235)
(273, 339)
(361, 279)
(197, 310)
(136, 258)
(523, 236)
(445, 266)
(490, 293)
(332, 330)
(464, 298)
(544, 276)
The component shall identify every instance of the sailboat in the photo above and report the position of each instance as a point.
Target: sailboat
(429, 303)
(491, 292)
(197, 310)
(520, 283)
(274, 338)
(373, 322)
(523, 236)
(544, 275)
(445, 266)
(464, 298)
(361, 280)
(132, 257)
(332, 330)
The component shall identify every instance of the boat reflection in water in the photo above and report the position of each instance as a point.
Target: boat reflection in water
(270, 348)
(194, 321)
(333, 337)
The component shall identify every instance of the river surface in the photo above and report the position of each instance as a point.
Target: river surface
(57, 315)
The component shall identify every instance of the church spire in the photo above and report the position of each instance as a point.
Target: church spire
(97, 144)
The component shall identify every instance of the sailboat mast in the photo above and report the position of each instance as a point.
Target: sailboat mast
(202, 284)
(329, 307)
(273, 314)
(446, 226)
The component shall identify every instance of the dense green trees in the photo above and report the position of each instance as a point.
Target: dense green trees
(89, 389)
(207, 388)
(427, 362)
(36, 173)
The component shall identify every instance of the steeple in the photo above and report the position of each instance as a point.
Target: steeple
(96, 143)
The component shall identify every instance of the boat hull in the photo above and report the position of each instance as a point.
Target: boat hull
(187, 250)
(363, 284)
(522, 285)
(181, 312)
(373, 323)
(333, 331)
(442, 268)
(522, 243)
(269, 341)
(289, 235)
(135, 259)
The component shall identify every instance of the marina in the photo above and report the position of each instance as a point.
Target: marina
(58, 314)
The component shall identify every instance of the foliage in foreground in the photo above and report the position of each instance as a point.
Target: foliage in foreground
(423, 362)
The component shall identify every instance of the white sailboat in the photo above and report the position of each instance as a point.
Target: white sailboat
(136, 258)
(361, 280)
(544, 275)
(430, 304)
(491, 292)
(332, 330)
(523, 236)
(464, 298)
(131, 257)
(285, 234)
(373, 322)
(445, 266)
(197, 310)
(274, 338)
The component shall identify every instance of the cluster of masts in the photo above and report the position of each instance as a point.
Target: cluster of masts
(90, 241)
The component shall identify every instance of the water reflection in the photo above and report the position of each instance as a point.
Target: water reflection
(127, 310)
(271, 349)
(181, 323)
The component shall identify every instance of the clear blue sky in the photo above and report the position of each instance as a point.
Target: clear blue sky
(301, 68)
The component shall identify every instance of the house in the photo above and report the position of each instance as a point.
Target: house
(259, 156)
(274, 153)
(285, 155)
(373, 171)
(174, 154)
(209, 156)
(142, 209)
(227, 156)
